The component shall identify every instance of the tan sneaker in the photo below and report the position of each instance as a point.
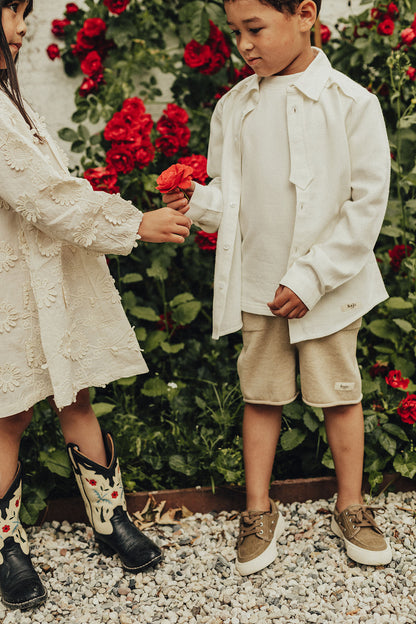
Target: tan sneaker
(259, 531)
(362, 537)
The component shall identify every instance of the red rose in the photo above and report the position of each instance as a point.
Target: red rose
(408, 36)
(397, 254)
(117, 129)
(206, 241)
(94, 27)
(58, 27)
(120, 158)
(198, 163)
(168, 145)
(134, 106)
(411, 72)
(116, 6)
(386, 27)
(407, 409)
(379, 368)
(376, 13)
(176, 176)
(183, 135)
(176, 114)
(196, 55)
(92, 65)
(395, 380)
(325, 33)
(71, 8)
(53, 51)
(89, 85)
(102, 179)
(83, 44)
(393, 10)
(144, 153)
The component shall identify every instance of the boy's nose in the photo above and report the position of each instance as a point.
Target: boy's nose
(246, 44)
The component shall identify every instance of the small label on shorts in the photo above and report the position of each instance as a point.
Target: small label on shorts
(344, 386)
(349, 307)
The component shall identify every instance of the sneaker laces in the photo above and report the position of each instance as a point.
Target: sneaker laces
(363, 516)
(251, 523)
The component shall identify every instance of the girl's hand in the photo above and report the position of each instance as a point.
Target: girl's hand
(164, 225)
(177, 200)
(287, 304)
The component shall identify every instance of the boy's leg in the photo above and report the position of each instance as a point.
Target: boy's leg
(261, 430)
(345, 430)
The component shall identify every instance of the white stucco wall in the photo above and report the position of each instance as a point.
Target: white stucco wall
(51, 92)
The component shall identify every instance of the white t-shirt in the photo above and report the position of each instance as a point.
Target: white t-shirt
(268, 199)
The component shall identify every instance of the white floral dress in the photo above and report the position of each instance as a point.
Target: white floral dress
(62, 326)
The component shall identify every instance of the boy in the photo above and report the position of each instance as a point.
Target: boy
(300, 163)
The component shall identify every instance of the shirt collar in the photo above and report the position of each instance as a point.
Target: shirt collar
(315, 77)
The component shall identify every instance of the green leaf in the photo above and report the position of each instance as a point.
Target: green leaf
(157, 271)
(405, 326)
(370, 423)
(101, 409)
(179, 464)
(155, 387)
(154, 340)
(186, 312)
(398, 304)
(78, 147)
(80, 115)
(172, 348)
(383, 329)
(83, 133)
(311, 423)
(127, 381)
(405, 464)
(67, 134)
(396, 431)
(327, 459)
(292, 438)
(57, 462)
(388, 443)
(145, 314)
(131, 278)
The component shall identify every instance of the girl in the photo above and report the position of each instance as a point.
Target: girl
(62, 327)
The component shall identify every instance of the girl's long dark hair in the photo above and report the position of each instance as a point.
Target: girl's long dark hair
(8, 76)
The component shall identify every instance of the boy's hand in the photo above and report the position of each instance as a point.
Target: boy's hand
(177, 200)
(164, 226)
(287, 305)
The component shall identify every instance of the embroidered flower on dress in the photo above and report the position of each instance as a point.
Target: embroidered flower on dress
(34, 353)
(86, 233)
(116, 210)
(106, 284)
(74, 344)
(16, 154)
(28, 207)
(10, 377)
(4, 205)
(8, 317)
(7, 256)
(48, 247)
(65, 193)
(45, 292)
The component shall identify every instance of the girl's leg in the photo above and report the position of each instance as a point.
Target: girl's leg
(261, 430)
(345, 430)
(11, 431)
(80, 426)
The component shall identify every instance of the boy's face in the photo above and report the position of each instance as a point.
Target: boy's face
(271, 42)
(14, 27)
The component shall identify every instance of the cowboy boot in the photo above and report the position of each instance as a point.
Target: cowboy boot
(103, 494)
(20, 586)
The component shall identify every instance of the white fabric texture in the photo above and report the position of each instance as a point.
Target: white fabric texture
(340, 165)
(62, 326)
(267, 212)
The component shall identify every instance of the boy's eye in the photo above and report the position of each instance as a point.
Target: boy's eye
(255, 30)
(13, 6)
(235, 32)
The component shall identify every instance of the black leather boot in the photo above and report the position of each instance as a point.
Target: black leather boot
(20, 586)
(103, 494)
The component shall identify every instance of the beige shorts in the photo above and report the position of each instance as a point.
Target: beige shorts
(268, 365)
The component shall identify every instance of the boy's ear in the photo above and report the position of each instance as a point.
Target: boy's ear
(308, 13)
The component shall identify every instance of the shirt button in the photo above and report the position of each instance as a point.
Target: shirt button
(226, 247)
(294, 110)
(221, 286)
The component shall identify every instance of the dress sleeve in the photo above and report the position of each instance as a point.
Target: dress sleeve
(62, 206)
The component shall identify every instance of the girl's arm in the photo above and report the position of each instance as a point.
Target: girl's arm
(67, 208)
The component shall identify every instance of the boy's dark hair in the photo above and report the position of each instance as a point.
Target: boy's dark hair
(8, 76)
(287, 6)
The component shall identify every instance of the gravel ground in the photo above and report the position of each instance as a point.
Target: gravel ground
(311, 581)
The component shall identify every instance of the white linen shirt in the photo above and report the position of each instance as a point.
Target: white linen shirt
(340, 166)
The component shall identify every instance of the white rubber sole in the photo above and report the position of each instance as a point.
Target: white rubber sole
(267, 557)
(362, 555)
